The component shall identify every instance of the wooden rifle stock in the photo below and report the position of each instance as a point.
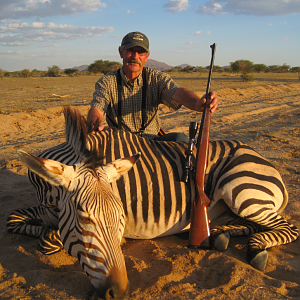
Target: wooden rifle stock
(200, 230)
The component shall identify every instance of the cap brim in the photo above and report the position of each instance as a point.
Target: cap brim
(130, 45)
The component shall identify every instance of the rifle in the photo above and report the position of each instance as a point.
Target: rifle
(200, 229)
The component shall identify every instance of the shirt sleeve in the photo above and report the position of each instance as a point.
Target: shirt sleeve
(102, 95)
(168, 87)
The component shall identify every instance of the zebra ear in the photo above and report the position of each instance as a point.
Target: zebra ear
(117, 168)
(50, 170)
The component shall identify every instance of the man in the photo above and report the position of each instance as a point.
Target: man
(131, 95)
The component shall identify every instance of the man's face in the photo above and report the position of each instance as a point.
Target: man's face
(134, 59)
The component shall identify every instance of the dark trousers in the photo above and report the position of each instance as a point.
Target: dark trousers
(172, 137)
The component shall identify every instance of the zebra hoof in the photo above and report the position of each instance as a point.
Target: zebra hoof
(221, 241)
(259, 261)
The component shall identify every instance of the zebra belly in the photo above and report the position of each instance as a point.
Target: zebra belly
(154, 230)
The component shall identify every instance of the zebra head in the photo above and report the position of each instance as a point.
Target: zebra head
(91, 218)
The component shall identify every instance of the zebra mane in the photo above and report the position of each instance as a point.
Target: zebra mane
(76, 133)
(75, 130)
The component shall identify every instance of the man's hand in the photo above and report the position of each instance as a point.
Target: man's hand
(192, 101)
(94, 120)
(212, 100)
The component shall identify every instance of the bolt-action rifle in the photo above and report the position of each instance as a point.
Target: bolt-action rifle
(200, 230)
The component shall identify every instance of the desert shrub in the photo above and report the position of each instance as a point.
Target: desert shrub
(37, 73)
(247, 77)
(295, 69)
(242, 66)
(25, 73)
(69, 71)
(278, 69)
(53, 71)
(103, 66)
(259, 68)
(188, 69)
(1, 73)
(218, 69)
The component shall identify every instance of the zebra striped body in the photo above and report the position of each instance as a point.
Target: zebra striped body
(154, 200)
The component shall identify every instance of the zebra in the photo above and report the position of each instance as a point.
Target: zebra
(246, 192)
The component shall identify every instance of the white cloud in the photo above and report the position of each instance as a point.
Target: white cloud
(198, 32)
(18, 9)
(175, 6)
(48, 45)
(250, 7)
(23, 34)
(210, 8)
(128, 11)
(10, 52)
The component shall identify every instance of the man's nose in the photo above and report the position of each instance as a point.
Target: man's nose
(135, 55)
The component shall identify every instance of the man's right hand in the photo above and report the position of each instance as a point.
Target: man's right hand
(94, 120)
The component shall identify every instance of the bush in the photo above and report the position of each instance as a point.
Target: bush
(69, 71)
(53, 71)
(25, 73)
(218, 69)
(259, 68)
(295, 70)
(103, 66)
(242, 66)
(37, 73)
(247, 77)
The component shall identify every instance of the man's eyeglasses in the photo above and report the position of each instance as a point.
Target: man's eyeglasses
(140, 52)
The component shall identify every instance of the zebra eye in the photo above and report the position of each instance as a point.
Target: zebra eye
(85, 220)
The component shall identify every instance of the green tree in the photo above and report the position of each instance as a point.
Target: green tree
(245, 67)
(218, 69)
(103, 66)
(37, 73)
(295, 69)
(69, 71)
(259, 68)
(25, 73)
(284, 68)
(53, 71)
(242, 66)
(188, 69)
(273, 69)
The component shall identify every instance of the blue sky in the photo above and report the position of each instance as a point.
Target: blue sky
(36, 34)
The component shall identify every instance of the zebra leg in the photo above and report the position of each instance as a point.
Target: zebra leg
(50, 241)
(277, 232)
(34, 222)
(220, 235)
(26, 221)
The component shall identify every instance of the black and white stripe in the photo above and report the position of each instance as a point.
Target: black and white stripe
(154, 200)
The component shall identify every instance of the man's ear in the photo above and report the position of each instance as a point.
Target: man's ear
(121, 51)
(147, 56)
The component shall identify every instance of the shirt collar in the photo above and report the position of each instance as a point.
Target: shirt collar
(138, 80)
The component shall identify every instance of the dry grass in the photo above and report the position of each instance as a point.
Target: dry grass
(23, 94)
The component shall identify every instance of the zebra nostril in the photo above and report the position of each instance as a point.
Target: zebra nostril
(110, 294)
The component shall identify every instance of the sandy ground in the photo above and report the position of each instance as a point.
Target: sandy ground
(267, 117)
